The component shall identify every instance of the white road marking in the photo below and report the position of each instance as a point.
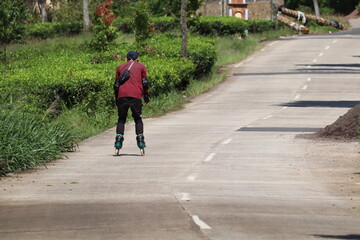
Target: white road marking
(191, 178)
(335, 41)
(210, 157)
(305, 87)
(250, 58)
(200, 223)
(238, 65)
(284, 107)
(309, 79)
(321, 54)
(227, 141)
(263, 50)
(314, 61)
(327, 47)
(297, 96)
(308, 66)
(267, 117)
(185, 197)
(273, 43)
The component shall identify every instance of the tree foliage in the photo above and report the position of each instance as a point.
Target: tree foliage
(104, 32)
(338, 6)
(12, 17)
(172, 7)
(142, 25)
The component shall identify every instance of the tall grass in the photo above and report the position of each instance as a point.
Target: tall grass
(85, 125)
(26, 141)
(232, 49)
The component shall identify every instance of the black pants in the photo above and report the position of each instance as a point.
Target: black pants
(135, 105)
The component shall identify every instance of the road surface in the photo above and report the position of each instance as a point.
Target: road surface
(231, 165)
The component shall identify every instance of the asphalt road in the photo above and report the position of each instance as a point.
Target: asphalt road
(231, 165)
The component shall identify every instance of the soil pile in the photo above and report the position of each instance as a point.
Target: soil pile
(354, 15)
(346, 127)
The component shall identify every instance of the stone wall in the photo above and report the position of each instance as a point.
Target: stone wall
(211, 8)
(256, 9)
(261, 9)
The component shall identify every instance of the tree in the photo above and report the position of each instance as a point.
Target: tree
(316, 8)
(142, 25)
(86, 18)
(183, 28)
(339, 6)
(173, 7)
(12, 18)
(104, 32)
(43, 10)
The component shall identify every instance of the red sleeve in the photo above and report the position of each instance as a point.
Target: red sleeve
(143, 73)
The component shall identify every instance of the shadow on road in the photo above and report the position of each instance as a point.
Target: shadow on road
(350, 236)
(332, 65)
(333, 104)
(127, 155)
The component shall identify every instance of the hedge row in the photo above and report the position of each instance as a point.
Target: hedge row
(48, 30)
(203, 25)
(53, 76)
(229, 26)
(201, 51)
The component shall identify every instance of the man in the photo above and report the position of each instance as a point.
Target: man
(129, 95)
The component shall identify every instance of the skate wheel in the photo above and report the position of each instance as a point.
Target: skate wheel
(142, 151)
(117, 152)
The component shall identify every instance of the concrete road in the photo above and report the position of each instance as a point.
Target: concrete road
(228, 166)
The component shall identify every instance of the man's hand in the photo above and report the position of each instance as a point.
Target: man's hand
(146, 98)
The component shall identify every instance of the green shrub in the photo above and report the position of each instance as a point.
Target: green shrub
(68, 28)
(167, 74)
(40, 30)
(165, 24)
(142, 25)
(160, 24)
(60, 76)
(221, 26)
(49, 30)
(201, 51)
(125, 25)
(105, 33)
(259, 26)
(218, 26)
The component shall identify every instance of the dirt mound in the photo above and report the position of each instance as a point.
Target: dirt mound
(354, 15)
(343, 128)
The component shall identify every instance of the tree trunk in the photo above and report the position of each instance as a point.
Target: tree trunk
(316, 8)
(184, 29)
(86, 21)
(273, 10)
(4, 58)
(43, 11)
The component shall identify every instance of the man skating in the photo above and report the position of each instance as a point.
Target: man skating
(129, 95)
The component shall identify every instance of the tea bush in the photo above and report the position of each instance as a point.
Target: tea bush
(64, 75)
(259, 26)
(49, 30)
(201, 51)
(220, 26)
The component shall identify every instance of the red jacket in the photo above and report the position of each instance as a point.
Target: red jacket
(132, 87)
